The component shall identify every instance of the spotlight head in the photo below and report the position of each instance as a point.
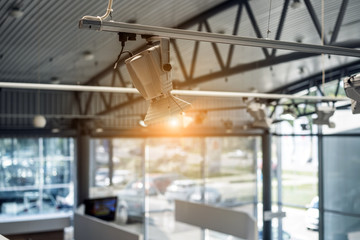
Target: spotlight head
(142, 123)
(150, 71)
(352, 90)
(289, 114)
(323, 116)
(258, 112)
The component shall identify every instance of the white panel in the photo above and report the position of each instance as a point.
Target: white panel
(31, 224)
(236, 223)
(91, 228)
(3, 238)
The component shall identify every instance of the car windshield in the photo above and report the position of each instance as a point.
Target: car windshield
(314, 203)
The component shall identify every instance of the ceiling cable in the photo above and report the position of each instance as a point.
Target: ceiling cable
(268, 28)
(103, 17)
(322, 43)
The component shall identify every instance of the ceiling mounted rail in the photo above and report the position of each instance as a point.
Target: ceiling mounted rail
(81, 88)
(111, 26)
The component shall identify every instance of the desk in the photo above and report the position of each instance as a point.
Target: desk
(35, 227)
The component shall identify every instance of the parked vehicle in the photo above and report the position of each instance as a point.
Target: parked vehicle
(221, 236)
(205, 194)
(312, 215)
(275, 234)
(180, 189)
(131, 204)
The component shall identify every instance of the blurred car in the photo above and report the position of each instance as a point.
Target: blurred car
(205, 194)
(102, 179)
(131, 205)
(275, 234)
(312, 214)
(213, 235)
(66, 202)
(180, 189)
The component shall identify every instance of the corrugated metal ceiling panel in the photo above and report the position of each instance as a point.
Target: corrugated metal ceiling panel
(46, 41)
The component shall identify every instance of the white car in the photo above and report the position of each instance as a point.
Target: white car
(312, 215)
(180, 190)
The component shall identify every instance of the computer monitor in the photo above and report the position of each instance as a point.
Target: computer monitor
(103, 208)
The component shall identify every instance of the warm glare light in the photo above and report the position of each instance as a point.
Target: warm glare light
(174, 122)
(187, 120)
(142, 123)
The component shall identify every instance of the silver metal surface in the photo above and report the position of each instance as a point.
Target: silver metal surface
(111, 26)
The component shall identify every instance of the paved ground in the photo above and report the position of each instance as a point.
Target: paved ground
(294, 223)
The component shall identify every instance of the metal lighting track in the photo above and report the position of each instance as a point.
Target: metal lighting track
(111, 26)
(81, 88)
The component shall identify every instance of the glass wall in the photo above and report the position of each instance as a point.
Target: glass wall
(36, 175)
(219, 171)
(295, 179)
(341, 188)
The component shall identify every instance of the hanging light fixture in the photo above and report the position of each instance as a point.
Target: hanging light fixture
(288, 114)
(323, 116)
(258, 112)
(39, 121)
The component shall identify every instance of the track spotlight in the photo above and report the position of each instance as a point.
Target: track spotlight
(323, 116)
(289, 114)
(258, 112)
(150, 72)
(352, 90)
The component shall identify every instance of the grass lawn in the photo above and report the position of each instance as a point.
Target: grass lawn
(297, 195)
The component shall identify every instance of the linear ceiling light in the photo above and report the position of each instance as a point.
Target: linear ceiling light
(80, 88)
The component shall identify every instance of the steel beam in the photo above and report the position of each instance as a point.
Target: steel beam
(110, 26)
(235, 32)
(266, 171)
(216, 49)
(255, 26)
(259, 64)
(180, 60)
(339, 21)
(195, 53)
(314, 19)
(281, 24)
(316, 79)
